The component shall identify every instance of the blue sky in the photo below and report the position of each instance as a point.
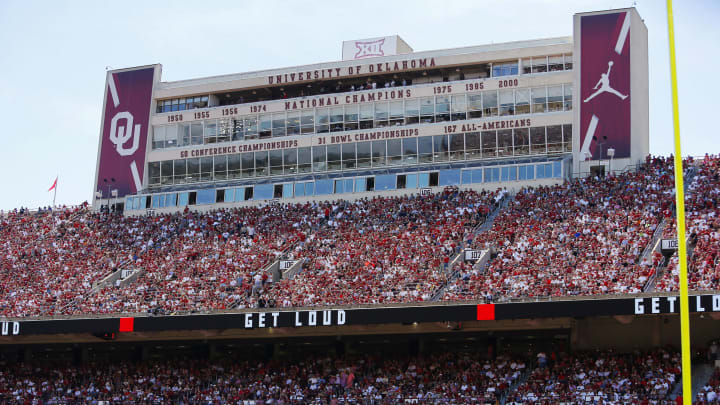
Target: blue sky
(54, 55)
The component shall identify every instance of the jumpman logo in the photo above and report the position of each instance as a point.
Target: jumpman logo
(603, 85)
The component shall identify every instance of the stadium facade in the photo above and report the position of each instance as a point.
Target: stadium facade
(384, 119)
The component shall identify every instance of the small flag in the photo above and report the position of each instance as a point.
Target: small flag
(53, 185)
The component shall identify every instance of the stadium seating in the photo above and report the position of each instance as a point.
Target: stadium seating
(581, 238)
(601, 377)
(442, 377)
(702, 225)
(585, 237)
(384, 250)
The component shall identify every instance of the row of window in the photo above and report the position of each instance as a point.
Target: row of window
(451, 177)
(351, 156)
(458, 107)
(535, 65)
(182, 104)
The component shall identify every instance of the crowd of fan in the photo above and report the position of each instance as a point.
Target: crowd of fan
(384, 250)
(580, 238)
(702, 217)
(448, 378)
(600, 377)
(584, 237)
(48, 259)
(710, 393)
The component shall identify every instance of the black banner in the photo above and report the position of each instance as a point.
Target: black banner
(284, 318)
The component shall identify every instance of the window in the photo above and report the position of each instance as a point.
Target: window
(505, 142)
(521, 140)
(472, 145)
(492, 175)
(538, 99)
(221, 166)
(182, 199)
(276, 162)
(381, 114)
(265, 130)
(568, 61)
(323, 187)
(555, 63)
(554, 139)
(228, 195)
(304, 160)
(293, 123)
(360, 185)
(180, 171)
(307, 122)
(489, 144)
(385, 182)
(196, 133)
(263, 192)
(442, 108)
(409, 150)
(278, 124)
(567, 96)
(154, 175)
(459, 107)
(184, 137)
(166, 172)
(351, 117)
(537, 140)
(396, 113)
(555, 98)
(505, 69)
(557, 169)
(526, 66)
(206, 196)
(474, 105)
(526, 172)
(210, 134)
(567, 137)
(477, 176)
(449, 177)
(457, 146)
(423, 180)
(348, 156)
(378, 153)
(193, 170)
(234, 167)
(238, 130)
(206, 169)
(158, 137)
(412, 111)
(427, 110)
(367, 113)
(248, 164)
(507, 102)
(508, 173)
(225, 129)
(425, 149)
(490, 103)
(363, 154)
(240, 194)
(539, 64)
(287, 190)
(171, 200)
(336, 119)
(251, 127)
(290, 161)
(333, 157)
(440, 148)
(522, 101)
(319, 158)
(543, 171)
(394, 152)
(411, 180)
(261, 164)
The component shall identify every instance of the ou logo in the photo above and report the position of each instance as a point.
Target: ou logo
(119, 135)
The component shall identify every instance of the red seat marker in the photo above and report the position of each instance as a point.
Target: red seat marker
(127, 324)
(486, 312)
